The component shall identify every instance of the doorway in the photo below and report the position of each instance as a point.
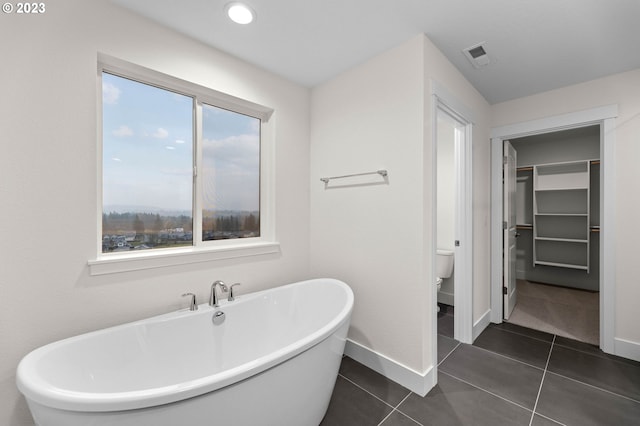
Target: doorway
(554, 232)
(452, 123)
(604, 117)
(449, 136)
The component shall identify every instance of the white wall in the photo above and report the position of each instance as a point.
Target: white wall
(370, 118)
(379, 238)
(48, 179)
(623, 90)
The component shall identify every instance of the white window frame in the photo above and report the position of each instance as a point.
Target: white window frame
(200, 251)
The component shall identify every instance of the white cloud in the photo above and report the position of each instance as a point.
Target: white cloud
(123, 131)
(160, 133)
(110, 93)
(235, 155)
(233, 148)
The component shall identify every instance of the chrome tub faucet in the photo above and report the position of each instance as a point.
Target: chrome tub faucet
(213, 299)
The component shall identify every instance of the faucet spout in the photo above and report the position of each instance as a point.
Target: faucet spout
(213, 299)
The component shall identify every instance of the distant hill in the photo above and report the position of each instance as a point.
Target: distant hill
(123, 208)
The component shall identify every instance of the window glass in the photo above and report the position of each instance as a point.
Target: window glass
(230, 174)
(147, 185)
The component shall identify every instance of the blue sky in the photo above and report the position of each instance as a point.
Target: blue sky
(148, 148)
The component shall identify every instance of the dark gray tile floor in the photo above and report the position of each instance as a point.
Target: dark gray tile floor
(511, 375)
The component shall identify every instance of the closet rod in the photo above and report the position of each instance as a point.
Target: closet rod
(382, 173)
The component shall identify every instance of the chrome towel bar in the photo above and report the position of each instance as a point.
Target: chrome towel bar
(382, 173)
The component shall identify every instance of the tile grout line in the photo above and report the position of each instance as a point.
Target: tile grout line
(587, 353)
(376, 397)
(449, 354)
(522, 334)
(487, 391)
(595, 387)
(533, 413)
(508, 357)
(409, 417)
(386, 417)
(571, 348)
(550, 419)
(396, 409)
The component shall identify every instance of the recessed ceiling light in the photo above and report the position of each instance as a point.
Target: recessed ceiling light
(240, 13)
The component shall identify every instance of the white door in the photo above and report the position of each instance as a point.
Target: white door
(509, 239)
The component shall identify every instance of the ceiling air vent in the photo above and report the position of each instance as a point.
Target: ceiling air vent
(477, 55)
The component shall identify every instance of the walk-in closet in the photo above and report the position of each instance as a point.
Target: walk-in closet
(557, 217)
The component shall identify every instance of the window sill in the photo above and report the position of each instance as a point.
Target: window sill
(126, 262)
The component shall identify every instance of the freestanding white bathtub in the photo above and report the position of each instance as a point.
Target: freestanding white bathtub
(274, 361)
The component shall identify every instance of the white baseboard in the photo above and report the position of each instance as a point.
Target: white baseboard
(481, 324)
(627, 349)
(446, 298)
(420, 383)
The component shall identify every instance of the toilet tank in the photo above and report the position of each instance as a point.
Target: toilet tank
(444, 263)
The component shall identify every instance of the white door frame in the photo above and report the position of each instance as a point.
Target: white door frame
(442, 99)
(605, 117)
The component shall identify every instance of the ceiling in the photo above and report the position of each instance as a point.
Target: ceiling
(535, 45)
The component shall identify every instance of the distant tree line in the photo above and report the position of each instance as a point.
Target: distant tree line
(231, 223)
(141, 223)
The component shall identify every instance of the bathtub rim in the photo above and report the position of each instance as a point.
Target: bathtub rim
(39, 390)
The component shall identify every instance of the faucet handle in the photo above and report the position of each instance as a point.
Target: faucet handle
(193, 306)
(231, 297)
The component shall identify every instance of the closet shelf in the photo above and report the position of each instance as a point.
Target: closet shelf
(561, 195)
(568, 188)
(563, 214)
(562, 265)
(562, 240)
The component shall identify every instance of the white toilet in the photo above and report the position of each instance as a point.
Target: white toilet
(444, 266)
